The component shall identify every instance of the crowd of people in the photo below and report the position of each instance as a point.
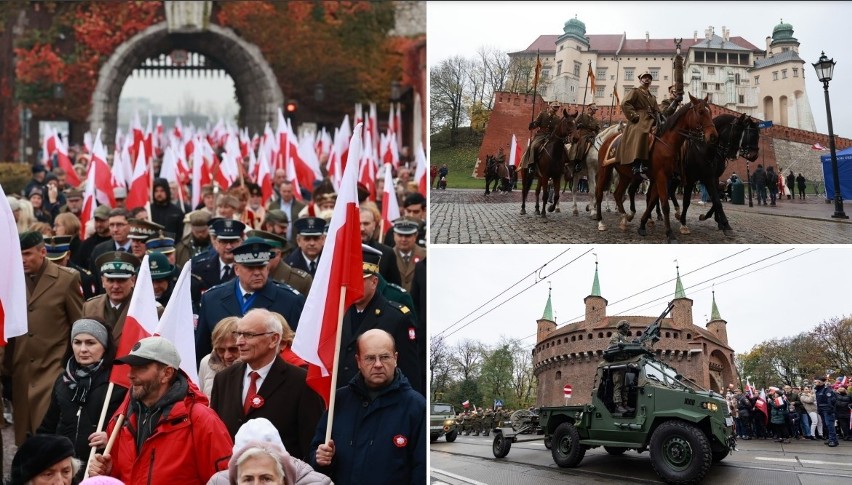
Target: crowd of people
(251, 415)
(815, 411)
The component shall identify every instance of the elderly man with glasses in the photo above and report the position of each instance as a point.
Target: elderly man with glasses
(263, 385)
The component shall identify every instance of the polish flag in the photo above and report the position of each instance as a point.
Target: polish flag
(397, 126)
(141, 321)
(197, 164)
(514, 152)
(293, 177)
(137, 134)
(13, 285)
(466, 404)
(89, 200)
(177, 323)
(390, 204)
(817, 146)
(48, 146)
(103, 175)
(338, 283)
(264, 178)
(71, 177)
(87, 142)
(420, 172)
(138, 193)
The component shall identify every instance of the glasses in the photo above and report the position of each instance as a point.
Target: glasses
(371, 359)
(249, 335)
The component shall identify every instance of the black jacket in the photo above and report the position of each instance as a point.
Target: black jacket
(167, 215)
(61, 417)
(842, 405)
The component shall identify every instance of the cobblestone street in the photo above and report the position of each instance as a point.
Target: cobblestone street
(466, 216)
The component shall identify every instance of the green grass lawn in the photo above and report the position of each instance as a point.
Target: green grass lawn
(460, 161)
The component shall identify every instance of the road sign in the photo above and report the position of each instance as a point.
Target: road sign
(567, 389)
(765, 124)
(498, 402)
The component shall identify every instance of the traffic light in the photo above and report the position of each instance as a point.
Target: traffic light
(291, 108)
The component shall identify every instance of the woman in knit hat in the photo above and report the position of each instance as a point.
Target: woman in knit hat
(79, 393)
(45, 459)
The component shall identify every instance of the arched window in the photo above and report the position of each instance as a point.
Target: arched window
(559, 375)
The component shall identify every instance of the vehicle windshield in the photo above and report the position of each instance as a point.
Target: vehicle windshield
(442, 409)
(657, 371)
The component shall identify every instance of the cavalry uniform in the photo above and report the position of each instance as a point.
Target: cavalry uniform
(587, 128)
(638, 107)
(546, 122)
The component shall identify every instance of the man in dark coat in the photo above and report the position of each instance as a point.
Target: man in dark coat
(310, 237)
(262, 385)
(217, 267)
(163, 212)
(546, 122)
(278, 269)
(84, 253)
(387, 267)
(374, 311)
(252, 288)
(639, 107)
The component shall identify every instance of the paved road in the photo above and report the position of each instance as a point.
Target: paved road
(469, 461)
(466, 216)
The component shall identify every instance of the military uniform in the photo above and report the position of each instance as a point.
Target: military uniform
(476, 423)
(618, 397)
(189, 246)
(639, 107)
(54, 303)
(546, 123)
(57, 248)
(487, 422)
(283, 272)
(587, 128)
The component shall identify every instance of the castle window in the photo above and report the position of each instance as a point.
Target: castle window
(699, 56)
(559, 375)
(558, 68)
(628, 74)
(573, 338)
(783, 74)
(577, 66)
(795, 72)
(579, 337)
(775, 75)
(600, 73)
(689, 336)
(600, 334)
(590, 336)
(559, 341)
(711, 70)
(668, 335)
(608, 334)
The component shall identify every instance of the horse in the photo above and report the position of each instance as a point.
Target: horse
(497, 173)
(738, 136)
(549, 165)
(693, 123)
(590, 165)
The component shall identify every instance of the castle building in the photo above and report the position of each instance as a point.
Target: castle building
(737, 75)
(571, 354)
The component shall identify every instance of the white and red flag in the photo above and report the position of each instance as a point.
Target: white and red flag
(177, 323)
(13, 285)
(141, 321)
(390, 204)
(138, 194)
(514, 152)
(71, 177)
(48, 146)
(102, 176)
(420, 172)
(337, 285)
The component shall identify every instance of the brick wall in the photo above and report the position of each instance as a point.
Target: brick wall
(780, 146)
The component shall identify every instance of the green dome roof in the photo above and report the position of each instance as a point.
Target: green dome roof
(783, 32)
(574, 26)
(575, 29)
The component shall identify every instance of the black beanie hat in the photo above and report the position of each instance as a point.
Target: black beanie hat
(37, 454)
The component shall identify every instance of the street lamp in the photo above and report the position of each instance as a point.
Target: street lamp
(824, 69)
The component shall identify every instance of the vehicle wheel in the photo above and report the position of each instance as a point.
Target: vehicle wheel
(501, 445)
(548, 442)
(615, 450)
(433, 438)
(451, 436)
(720, 455)
(567, 451)
(680, 453)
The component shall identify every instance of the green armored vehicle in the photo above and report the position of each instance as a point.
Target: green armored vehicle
(442, 421)
(684, 427)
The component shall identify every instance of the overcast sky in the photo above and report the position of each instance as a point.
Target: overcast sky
(170, 92)
(462, 27)
(762, 292)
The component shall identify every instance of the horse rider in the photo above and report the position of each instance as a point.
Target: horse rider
(587, 128)
(641, 110)
(669, 105)
(501, 157)
(546, 122)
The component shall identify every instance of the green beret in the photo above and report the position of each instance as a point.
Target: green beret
(30, 239)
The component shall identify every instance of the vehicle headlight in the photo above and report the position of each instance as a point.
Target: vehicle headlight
(710, 406)
(449, 422)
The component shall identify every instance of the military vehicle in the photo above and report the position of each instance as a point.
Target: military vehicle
(684, 427)
(442, 421)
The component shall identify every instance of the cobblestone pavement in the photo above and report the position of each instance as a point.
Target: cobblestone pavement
(466, 216)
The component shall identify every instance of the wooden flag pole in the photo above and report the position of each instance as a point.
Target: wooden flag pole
(100, 426)
(118, 424)
(338, 337)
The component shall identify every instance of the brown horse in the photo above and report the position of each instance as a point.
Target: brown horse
(549, 166)
(692, 122)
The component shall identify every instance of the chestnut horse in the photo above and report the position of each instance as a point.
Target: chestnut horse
(549, 166)
(692, 122)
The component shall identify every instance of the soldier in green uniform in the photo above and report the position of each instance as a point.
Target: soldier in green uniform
(140, 231)
(669, 105)
(618, 397)
(587, 128)
(162, 277)
(640, 108)
(279, 270)
(197, 241)
(467, 421)
(477, 422)
(545, 122)
(487, 422)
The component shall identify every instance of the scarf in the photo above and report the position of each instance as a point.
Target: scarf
(78, 378)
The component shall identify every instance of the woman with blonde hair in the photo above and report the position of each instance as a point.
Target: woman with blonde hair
(67, 224)
(26, 217)
(225, 353)
(42, 227)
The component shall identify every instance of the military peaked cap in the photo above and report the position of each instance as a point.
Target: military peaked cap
(274, 240)
(160, 267)
(57, 246)
(372, 257)
(162, 242)
(406, 227)
(254, 251)
(142, 229)
(227, 228)
(309, 226)
(118, 264)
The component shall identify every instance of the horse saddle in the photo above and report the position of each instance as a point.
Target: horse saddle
(610, 157)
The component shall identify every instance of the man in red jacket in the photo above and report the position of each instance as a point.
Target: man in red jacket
(170, 434)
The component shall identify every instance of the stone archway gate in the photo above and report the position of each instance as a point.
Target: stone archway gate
(257, 89)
